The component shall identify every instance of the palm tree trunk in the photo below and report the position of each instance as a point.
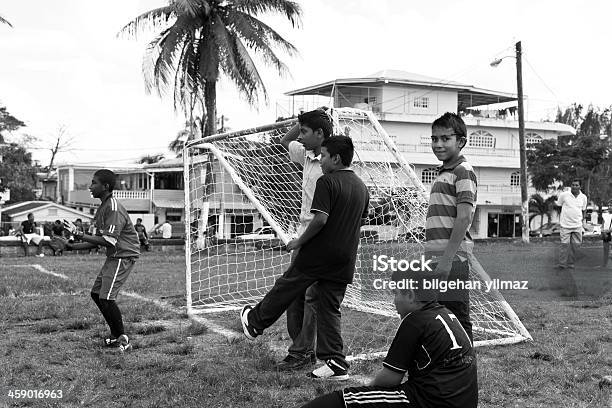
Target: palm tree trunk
(210, 99)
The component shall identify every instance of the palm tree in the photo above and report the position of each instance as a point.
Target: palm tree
(540, 206)
(150, 158)
(206, 38)
(2, 20)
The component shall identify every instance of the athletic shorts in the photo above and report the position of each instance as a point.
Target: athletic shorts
(607, 236)
(376, 397)
(113, 274)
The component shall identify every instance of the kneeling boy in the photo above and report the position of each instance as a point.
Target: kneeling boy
(430, 346)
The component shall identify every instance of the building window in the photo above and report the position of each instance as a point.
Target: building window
(426, 140)
(532, 138)
(429, 175)
(173, 216)
(515, 178)
(482, 139)
(421, 102)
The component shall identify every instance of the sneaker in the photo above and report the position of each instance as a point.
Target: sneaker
(111, 342)
(291, 363)
(249, 331)
(330, 371)
(124, 343)
(40, 255)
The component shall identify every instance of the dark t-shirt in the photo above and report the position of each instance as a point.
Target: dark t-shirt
(28, 227)
(141, 230)
(112, 221)
(58, 230)
(332, 253)
(432, 346)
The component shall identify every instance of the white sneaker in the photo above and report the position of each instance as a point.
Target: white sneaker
(124, 343)
(40, 255)
(330, 371)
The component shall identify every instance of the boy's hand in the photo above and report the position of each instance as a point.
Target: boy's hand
(443, 268)
(293, 244)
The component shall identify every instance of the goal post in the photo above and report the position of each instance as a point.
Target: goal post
(242, 205)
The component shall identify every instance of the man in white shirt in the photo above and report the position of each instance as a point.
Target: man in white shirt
(166, 230)
(573, 208)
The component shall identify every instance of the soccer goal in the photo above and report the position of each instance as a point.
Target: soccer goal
(243, 198)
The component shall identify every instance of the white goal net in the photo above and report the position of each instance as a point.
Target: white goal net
(243, 200)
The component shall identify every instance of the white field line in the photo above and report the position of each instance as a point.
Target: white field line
(229, 334)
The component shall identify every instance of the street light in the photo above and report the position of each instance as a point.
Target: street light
(522, 150)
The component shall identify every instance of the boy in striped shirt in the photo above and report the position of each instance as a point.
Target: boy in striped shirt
(452, 204)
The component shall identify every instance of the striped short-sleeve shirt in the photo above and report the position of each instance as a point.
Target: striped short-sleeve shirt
(456, 183)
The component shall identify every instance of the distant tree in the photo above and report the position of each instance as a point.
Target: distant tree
(17, 172)
(8, 122)
(150, 158)
(539, 206)
(585, 156)
(200, 39)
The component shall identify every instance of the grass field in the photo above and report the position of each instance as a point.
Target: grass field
(51, 334)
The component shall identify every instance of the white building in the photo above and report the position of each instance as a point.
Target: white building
(406, 104)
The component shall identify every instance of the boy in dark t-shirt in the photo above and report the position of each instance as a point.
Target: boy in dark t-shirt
(115, 231)
(431, 346)
(326, 258)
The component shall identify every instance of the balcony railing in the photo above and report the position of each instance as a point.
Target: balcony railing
(424, 148)
(131, 194)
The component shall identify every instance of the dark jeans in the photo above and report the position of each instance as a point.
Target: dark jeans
(457, 301)
(329, 297)
(302, 323)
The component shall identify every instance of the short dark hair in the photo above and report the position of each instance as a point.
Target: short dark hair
(576, 181)
(342, 145)
(317, 119)
(107, 177)
(453, 121)
(78, 219)
(421, 293)
(30, 214)
(138, 219)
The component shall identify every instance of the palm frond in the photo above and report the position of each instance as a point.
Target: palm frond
(257, 39)
(154, 66)
(193, 7)
(4, 21)
(152, 19)
(246, 24)
(237, 64)
(290, 9)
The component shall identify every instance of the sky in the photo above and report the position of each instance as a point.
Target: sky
(62, 63)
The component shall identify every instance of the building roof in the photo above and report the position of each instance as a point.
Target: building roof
(173, 164)
(17, 208)
(166, 203)
(469, 95)
(33, 206)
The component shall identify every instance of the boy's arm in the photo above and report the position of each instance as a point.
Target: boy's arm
(290, 136)
(321, 207)
(386, 378)
(465, 188)
(317, 223)
(83, 245)
(462, 222)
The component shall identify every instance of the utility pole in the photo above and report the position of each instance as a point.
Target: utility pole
(522, 150)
